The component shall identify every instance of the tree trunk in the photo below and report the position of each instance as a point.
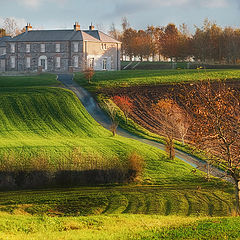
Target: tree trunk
(208, 171)
(237, 187)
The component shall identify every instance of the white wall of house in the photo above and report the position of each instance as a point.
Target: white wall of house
(98, 62)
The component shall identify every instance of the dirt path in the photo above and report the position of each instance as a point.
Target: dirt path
(102, 118)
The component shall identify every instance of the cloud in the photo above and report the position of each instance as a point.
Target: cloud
(126, 7)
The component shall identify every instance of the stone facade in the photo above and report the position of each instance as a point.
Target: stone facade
(3, 49)
(62, 51)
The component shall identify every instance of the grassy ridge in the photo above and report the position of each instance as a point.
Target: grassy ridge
(184, 199)
(150, 77)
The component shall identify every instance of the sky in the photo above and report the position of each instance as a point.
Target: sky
(61, 14)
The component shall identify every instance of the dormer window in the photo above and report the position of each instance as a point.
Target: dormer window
(42, 47)
(57, 47)
(75, 47)
(28, 48)
(104, 46)
(12, 47)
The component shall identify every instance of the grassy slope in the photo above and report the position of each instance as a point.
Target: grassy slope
(138, 77)
(102, 80)
(52, 121)
(118, 227)
(67, 125)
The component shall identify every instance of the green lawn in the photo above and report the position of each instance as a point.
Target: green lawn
(25, 81)
(183, 199)
(49, 124)
(121, 227)
(150, 77)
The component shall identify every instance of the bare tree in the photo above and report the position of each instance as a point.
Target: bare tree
(112, 112)
(11, 27)
(175, 122)
(125, 24)
(215, 108)
(114, 32)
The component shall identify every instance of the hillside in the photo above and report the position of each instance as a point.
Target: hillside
(45, 128)
(102, 80)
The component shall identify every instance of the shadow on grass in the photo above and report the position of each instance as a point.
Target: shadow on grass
(17, 180)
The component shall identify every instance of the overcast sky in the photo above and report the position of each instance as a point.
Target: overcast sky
(51, 14)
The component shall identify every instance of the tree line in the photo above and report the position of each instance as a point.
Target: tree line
(210, 43)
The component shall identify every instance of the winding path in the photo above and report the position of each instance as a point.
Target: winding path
(102, 118)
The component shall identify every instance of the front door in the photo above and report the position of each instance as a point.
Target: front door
(43, 64)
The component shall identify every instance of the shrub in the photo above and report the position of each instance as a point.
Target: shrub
(135, 167)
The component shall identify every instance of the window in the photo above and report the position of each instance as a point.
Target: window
(2, 51)
(58, 62)
(42, 47)
(104, 46)
(104, 66)
(12, 47)
(57, 47)
(28, 62)
(12, 61)
(27, 48)
(75, 61)
(112, 63)
(75, 47)
(91, 62)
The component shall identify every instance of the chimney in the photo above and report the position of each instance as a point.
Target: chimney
(91, 27)
(76, 26)
(28, 27)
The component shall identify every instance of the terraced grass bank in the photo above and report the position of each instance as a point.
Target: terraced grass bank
(169, 199)
(103, 80)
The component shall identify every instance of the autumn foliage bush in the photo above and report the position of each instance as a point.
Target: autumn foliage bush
(135, 166)
(124, 103)
(88, 74)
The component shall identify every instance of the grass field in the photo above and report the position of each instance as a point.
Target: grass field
(26, 81)
(41, 127)
(103, 80)
(122, 227)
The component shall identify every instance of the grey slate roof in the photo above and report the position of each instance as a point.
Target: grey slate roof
(3, 41)
(62, 35)
(101, 36)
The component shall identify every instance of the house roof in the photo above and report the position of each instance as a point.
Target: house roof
(3, 41)
(62, 35)
(101, 36)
